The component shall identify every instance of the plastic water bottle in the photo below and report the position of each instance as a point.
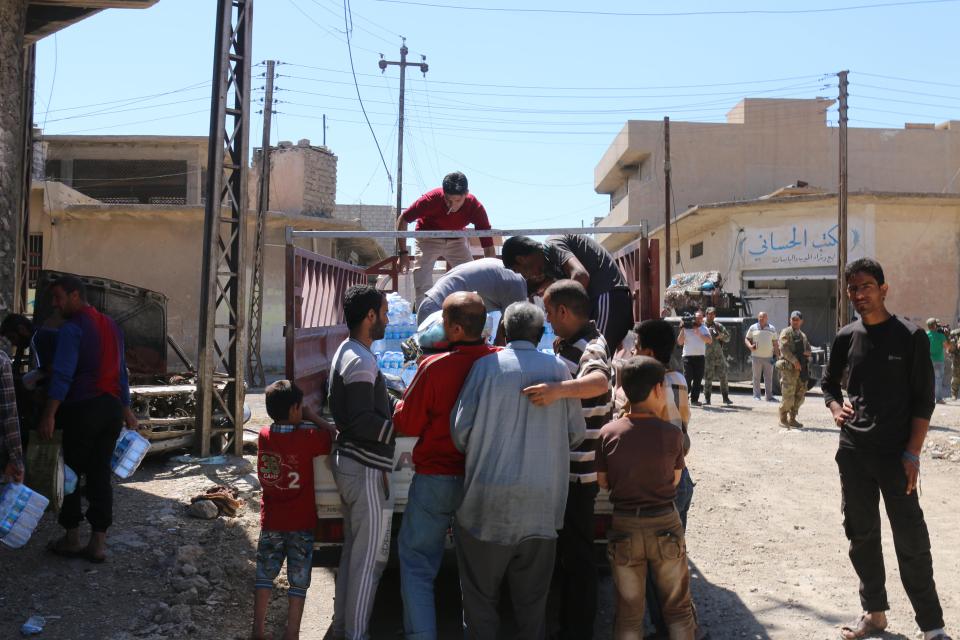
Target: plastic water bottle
(408, 373)
(20, 510)
(69, 480)
(129, 453)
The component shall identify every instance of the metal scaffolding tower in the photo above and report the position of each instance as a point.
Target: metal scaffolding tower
(223, 310)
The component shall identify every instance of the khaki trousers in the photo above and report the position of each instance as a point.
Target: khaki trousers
(454, 250)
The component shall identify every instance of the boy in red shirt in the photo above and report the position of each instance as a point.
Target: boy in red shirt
(640, 459)
(288, 514)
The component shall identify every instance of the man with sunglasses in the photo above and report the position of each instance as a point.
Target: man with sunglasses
(883, 423)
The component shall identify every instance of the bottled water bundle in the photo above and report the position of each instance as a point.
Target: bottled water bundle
(20, 510)
(129, 453)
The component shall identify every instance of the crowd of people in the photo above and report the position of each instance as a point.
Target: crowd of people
(514, 445)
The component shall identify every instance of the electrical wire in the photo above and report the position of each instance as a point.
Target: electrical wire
(131, 100)
(625, 14)
(53, 81)
(346, 12)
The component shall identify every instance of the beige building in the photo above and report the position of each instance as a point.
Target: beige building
(765, 144)
(130, 208)
(780, 252)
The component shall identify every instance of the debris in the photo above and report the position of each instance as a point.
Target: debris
(225, 499)
(189, 459)
(33, 625)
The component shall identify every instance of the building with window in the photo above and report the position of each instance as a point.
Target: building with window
(763, 145)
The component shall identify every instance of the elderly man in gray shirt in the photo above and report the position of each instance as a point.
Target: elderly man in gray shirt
(516, 480)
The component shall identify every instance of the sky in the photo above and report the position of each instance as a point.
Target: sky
(523, 96)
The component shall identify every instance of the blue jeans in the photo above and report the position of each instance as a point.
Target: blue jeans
(938, 379)
(431, 503)
(682, 502)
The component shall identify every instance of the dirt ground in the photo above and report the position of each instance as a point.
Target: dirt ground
(765, 541)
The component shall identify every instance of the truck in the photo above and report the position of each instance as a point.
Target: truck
(314, 287)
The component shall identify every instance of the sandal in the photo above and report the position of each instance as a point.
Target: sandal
(861, 629)
(58, 548)
(89, 556)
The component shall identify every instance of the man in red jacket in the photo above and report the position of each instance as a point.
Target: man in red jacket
(450, 208)
(437, 486)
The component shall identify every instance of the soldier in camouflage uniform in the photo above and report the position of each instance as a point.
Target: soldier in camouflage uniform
(716, 361)
(954, 348)
(794, 370)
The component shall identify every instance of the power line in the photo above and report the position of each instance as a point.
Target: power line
(902, 79)
(131, 100)
(53, 81)
(353, 70)
(95, 114)
(671, 14)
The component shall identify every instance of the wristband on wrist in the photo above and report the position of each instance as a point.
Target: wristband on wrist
(912, 458)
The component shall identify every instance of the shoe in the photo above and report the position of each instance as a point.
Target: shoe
(784, 420)
(757, 398)
(695, 403)
(796, 424)
(727, 400)
(772, 400)
(706, 401)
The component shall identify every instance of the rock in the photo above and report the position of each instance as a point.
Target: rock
(188, 569)
(203, 509)
(189, 554)
(161, 611)
(148, 630)
(197, 582)
(190, 596)
(215, 574)
(180, 614)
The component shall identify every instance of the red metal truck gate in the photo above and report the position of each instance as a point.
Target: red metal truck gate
(640, 263)
(315, 286)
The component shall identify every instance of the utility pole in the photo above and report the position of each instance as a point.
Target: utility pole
(222, 335)
(324, 129)
(254, 361)
(843, 315)
(667, 188)
(403, 64)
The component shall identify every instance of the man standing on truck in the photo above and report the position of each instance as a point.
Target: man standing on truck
(883, 423)
(516, 478)
(580, 258)
(582, 348)
(437, 485)
(449, 208)
(761, 339)
(716, 360)
(794, 369)
(88, 398)
(362, 460)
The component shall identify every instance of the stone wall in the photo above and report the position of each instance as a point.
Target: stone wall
(12, 21)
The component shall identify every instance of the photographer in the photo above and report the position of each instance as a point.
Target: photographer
(938, 347)
(694, 338)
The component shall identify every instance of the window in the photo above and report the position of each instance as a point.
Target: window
(132, 181)
(34, 259)
(696, 249)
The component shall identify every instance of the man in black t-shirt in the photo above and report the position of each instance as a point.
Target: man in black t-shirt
(883, 423)
(579, 258)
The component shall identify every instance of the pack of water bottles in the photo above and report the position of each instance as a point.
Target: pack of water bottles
(546, 342)
(129, 452)
(20, 510)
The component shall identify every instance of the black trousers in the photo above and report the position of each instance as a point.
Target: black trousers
(693, 367)
(613, 314)
(575, 574)
(864, 477)
(90, 432)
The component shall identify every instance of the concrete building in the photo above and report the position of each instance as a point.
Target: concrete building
(780, 252)
(23, 23)
(765, 144)
(130, 208)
